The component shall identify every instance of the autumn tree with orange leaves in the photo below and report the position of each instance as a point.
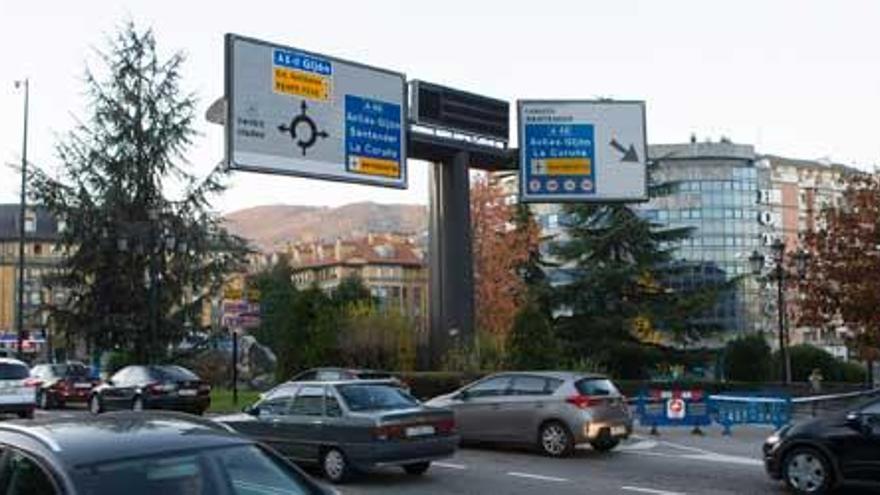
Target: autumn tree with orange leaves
(500, 247)
(842, 282)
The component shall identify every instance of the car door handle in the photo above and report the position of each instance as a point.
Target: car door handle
(539, 405)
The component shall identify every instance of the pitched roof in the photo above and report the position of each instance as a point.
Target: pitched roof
(47, 226)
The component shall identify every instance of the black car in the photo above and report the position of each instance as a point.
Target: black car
(152, 387)
(59, 384)
(814, 456)
(140, 454)
(349, 426)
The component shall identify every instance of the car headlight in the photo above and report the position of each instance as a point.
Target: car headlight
(778, 435)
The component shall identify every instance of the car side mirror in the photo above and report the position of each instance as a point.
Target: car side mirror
(252, 410)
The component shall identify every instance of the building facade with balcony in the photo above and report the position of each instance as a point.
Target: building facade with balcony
(392, 266)
(42, 257)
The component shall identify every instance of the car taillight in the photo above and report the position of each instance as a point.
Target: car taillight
(161, 388)
(388, 432)
(583, 401)
(60, 385)
(33, 382)
(445, 427)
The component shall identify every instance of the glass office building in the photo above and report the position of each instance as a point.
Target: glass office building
(716, 190)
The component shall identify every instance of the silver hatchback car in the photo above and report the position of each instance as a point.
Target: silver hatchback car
(553, 410)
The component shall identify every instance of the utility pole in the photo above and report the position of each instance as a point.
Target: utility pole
(21, 219)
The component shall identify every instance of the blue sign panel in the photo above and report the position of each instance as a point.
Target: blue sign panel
(560, 159)
(372, 137)
(301, 61)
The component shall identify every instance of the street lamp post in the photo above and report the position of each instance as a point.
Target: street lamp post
(21, 219)
(779, 272)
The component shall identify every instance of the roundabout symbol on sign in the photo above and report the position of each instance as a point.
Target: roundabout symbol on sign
(303, 120)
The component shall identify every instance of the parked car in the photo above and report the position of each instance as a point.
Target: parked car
(140, 454)
(814, 456)
(18, 392)
(139, 387)
(329, 374)
(59, 384)
(553, 410)
(348, 426)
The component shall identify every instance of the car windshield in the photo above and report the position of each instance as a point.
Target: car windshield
(596, 386)
(69, 370)
(12, 371)
(174, 373)
(371, 397)
(243, 470)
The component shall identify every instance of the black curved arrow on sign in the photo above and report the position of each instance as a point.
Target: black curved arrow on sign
(313, 134)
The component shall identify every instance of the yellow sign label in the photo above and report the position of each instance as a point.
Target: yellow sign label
(299, 83)
(232, 294)
(374, 166)
(568, 166)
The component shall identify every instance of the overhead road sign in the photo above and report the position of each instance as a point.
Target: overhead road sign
(459, 111)
(294, 112)
(582, 151)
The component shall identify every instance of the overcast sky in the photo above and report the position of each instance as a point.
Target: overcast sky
(798, 78)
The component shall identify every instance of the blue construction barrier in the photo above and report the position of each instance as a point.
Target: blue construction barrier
(673, 407)
(755, 409)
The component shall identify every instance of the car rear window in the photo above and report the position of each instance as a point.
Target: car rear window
(371, 397)
(596, 386)
(12, 371)
(69, 370)
(373, 375)
(243, 470)
(174, 373)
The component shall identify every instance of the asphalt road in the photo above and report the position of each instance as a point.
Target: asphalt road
(674, 463)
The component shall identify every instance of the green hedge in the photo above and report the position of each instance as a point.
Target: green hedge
(425, 385)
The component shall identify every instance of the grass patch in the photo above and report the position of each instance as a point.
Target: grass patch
(221, 400)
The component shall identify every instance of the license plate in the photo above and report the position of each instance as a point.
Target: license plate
(419, 431)
(187, 393)
(618, 431)
(83, 385)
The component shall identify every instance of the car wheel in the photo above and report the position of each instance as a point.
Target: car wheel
(335, 467)
(806, 471)
(29, 414)
(137, 404)
(604, 444)
(95, 406)
(417, 468)
(555, 440)
(44, 400)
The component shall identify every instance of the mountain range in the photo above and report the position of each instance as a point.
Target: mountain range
(270, 227)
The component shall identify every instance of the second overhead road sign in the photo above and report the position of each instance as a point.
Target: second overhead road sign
(299, 113)
(589, 151)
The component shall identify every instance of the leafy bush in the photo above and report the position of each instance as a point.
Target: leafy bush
(533, 344)
(748, 359)
(805, 358)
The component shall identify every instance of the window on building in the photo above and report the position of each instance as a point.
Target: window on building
(38, 249)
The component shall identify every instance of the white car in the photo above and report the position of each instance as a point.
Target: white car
(18, 391)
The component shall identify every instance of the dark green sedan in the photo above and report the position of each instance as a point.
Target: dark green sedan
(349, 426)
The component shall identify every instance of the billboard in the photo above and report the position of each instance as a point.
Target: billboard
(299, 113)
(582, 151)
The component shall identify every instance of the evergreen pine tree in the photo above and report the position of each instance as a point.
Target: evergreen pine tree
(139, 263)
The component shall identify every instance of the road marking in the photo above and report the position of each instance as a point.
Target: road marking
(640, 445)
(726, 459)
(537, 477)
(710, 457)
(450, 465)
(650, 490)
